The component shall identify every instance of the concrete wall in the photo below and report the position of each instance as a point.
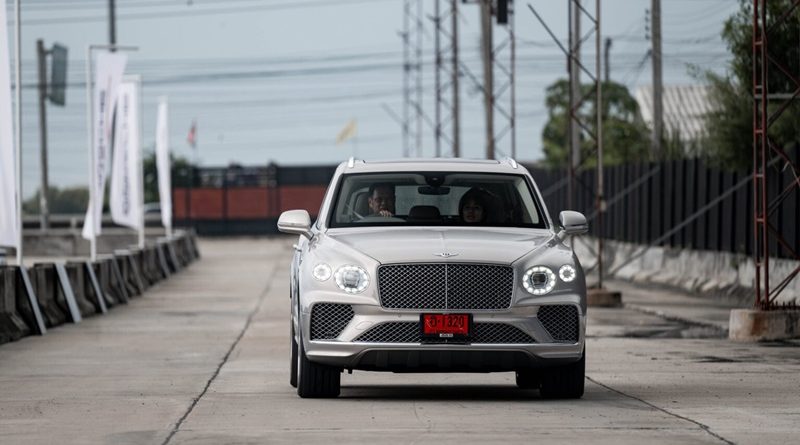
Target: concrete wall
(706, 273)
(120, 276)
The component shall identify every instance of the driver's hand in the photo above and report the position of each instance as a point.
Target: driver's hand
(385, 213)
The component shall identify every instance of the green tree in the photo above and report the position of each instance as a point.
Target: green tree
(625, 137)
(181, 175)
(62, 201)
(730, 126)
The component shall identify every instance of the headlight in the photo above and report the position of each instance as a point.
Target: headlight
(322, 272)
(566, 273)
(351, 279)
(539, 280)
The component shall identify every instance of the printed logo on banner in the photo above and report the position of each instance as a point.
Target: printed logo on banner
(109, 70)
(125, 197)
(8, 176)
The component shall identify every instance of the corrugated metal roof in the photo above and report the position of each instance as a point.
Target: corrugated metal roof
(684, 107)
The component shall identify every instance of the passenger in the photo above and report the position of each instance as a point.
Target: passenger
(473, 206)
(381, 200)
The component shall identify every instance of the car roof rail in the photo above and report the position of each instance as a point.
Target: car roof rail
(511, 162)
(351, 162)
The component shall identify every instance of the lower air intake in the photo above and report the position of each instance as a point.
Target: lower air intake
(328, 320)
(561, 321)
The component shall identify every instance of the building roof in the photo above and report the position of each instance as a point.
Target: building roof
(684, 108)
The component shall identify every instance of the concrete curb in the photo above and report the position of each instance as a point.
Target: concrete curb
(12, 326)
(671, 317)
(748, 325)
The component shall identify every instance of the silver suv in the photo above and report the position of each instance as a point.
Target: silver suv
(436, 266)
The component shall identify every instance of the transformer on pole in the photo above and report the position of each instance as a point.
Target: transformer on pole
(499, 76)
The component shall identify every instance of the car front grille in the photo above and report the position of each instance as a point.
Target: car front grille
(408, 332)
(445, 286)
(328, 320)
(561, 321)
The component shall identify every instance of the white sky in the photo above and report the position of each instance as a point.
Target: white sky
(275, 80)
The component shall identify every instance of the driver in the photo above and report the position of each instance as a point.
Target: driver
(381, 199)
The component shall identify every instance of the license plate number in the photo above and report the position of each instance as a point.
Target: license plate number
(445, 325)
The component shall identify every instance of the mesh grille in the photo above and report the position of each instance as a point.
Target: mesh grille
(408, 332)
(328, 320)
(395, 332)
(413, 286)
(561, 321)
(500, 333)
(445, 286)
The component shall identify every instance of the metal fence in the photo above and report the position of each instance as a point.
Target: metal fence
(683, 203)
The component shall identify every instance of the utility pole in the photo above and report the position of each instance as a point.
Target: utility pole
(112, 22)
(606, 59)
(44, 212)
(454, 81)
(487, 47)
(438, 81)
(418, 54)
(575, 96)
(406, 78)
(658, 106)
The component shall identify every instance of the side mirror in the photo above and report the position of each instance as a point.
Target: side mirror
(295, 221)
(573, 223)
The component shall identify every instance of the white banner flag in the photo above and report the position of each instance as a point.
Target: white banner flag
(163, 165)
(8, 177)
(110, 67)
(125, 198)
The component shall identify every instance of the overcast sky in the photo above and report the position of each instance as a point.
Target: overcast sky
(275, 80)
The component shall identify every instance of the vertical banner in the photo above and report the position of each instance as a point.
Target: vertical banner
(125, 197)
(8, 177)
(163, 165)
(109, 69)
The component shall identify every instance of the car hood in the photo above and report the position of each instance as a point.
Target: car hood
(412, 245)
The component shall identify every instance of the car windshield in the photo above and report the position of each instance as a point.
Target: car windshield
(435, 199)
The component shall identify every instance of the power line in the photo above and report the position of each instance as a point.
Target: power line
(194, 13)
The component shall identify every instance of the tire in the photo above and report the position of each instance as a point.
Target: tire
(293, 362)
(564, 382)
(315, 380)
(529, 379)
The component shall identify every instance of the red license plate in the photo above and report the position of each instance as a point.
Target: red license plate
(445, 325)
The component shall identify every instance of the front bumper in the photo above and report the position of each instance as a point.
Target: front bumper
(348, 350)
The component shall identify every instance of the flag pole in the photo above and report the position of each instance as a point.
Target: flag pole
(18, 129)
(90, 130)
(140, 167)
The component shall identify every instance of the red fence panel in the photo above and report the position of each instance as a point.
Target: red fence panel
(248, 203)
(308, 197)
(207, 203)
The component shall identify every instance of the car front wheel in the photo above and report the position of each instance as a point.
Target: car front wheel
(293, 362)
(564, 382)
(315, 380)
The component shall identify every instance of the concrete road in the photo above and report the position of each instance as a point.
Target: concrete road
(203, 359)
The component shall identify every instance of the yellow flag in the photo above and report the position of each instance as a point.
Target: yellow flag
(348, 132)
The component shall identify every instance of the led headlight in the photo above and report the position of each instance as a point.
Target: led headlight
(539, 280)
(322, 272)
(566, 273)
(351, 279)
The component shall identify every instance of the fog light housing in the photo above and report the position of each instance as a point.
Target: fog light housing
(567, 273)
(322, 272)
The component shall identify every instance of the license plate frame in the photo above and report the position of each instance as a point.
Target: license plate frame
(445, 326)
